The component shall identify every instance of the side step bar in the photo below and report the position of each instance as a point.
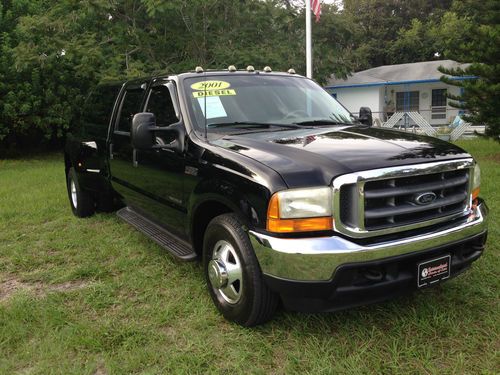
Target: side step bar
(161, 236)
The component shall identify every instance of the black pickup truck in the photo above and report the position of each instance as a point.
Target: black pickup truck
(281, 193)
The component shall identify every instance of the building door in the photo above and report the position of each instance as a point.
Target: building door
(438, 107)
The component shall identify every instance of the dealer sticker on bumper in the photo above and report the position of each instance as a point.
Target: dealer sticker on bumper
(433, 271)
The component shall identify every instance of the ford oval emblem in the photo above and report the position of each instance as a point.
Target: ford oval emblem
(425, 198)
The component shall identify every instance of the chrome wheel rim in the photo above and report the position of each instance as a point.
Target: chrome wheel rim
(72, 187)
(225, 272)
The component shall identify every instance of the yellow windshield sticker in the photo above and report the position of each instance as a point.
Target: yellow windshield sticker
(201, 94)
(210, 85)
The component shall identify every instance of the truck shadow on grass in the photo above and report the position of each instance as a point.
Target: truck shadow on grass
(424, 323)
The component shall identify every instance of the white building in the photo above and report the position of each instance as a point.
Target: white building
(414, 87)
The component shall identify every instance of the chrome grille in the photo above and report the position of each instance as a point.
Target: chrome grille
(391, 200)
(394, 201)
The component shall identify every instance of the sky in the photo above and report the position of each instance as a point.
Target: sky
(338, 2)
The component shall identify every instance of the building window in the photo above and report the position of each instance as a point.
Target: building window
(407, 101)
(439, 98)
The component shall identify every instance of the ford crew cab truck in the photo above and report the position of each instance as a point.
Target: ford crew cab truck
(283, 195)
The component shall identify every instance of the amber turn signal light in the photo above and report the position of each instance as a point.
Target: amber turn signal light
(299, 225)
(475, 193)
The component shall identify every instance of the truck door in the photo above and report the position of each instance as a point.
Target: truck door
(162, 170)
(122, 155)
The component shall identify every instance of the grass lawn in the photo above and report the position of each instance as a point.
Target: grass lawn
(94, 296)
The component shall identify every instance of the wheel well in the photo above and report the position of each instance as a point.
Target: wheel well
(203, 215)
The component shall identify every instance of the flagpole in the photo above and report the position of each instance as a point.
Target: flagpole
(308, 40)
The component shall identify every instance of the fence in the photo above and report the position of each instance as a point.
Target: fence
(415, 122)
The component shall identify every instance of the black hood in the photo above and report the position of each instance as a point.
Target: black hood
(314, 156)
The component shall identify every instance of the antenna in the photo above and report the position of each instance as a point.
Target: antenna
(205, 105)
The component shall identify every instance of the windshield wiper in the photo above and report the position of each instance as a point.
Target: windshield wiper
(252, 124)
(322, 122)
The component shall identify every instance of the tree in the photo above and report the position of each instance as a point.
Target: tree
(481, 46)
(16, 88)
(413, 44)
(49, 59)
(383, 24)
(52, 52)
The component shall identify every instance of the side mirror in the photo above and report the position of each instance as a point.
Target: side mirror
(142, 136)
(179, 131)
(144, 127)
(365, 116)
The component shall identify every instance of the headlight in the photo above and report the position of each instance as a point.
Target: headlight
(300, 210)
(476, 181)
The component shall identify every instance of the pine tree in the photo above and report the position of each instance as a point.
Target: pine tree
(481, 96)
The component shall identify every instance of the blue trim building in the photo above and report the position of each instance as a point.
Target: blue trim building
(414, 87)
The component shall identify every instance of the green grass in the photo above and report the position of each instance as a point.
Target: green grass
(94, 296)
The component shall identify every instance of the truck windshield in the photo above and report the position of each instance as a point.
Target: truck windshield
(221, 102)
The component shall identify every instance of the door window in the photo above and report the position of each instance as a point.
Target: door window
(131, 104)
(160, 104)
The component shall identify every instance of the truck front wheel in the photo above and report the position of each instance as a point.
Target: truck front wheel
(233, 274)
(82, 203)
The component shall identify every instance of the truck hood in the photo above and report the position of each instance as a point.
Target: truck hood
(314, 156)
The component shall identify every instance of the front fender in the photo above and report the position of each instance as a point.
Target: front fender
(245, 198)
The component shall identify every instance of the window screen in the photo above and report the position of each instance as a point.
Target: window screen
(131, 104)
(439, 98)
(407, 101)
(160, 103)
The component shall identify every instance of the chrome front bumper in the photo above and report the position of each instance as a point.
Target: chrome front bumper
(317, 259)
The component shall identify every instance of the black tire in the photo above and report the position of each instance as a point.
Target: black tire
(256, 303)
(82, 203)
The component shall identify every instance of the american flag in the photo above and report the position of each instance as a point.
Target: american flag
(316, 8)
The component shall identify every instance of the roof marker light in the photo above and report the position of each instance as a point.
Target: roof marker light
(250, 68)
(291, 71)
(231, 68)
(198, 69)
(267, 69)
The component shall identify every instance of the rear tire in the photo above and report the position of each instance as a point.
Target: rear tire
(82, 203)
(233, 274)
